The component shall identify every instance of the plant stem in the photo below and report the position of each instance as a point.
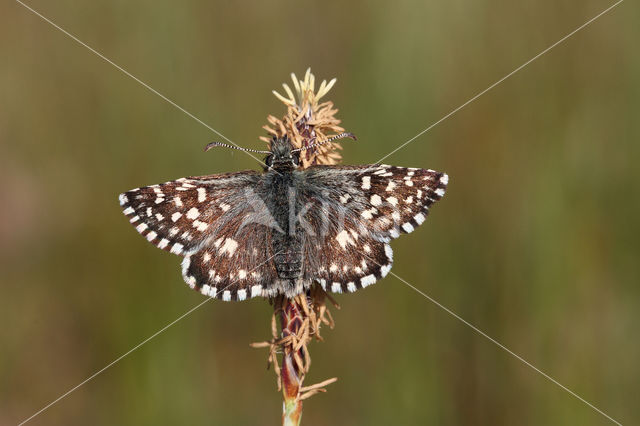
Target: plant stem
(292, 373)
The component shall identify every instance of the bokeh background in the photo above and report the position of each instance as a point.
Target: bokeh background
(536, 242)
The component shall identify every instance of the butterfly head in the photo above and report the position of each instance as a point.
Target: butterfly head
(282, 156)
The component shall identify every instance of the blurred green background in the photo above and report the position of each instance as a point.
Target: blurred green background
(536, 242)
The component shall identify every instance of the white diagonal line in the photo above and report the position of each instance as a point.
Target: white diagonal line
(494, 341)
(151, 89)
(97, 373)
(501, 80)
(503, 347)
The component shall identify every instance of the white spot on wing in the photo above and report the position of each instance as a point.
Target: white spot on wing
(385, 270)
(388, 251)
(226, 296)
(368, 214)
(407, 227)
(440, 191)
(256, 290)
(176, 216)
(185, 264)
(151, 236)
(177, 248)
(201, 226)
(163, 243)
(128, 211)
(368, 280)
(376, 200)
(351, 287)
(343, 239)
(336, 288)
(191, 281)
(229, 246)
(419, 218)
(193, 213)
(242, 294)
(123, 199)
(444, 179)
(390, 186)
(202, 194)
(366, 182)
(141, 227)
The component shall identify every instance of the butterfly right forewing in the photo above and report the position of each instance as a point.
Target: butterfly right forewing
(357, 210)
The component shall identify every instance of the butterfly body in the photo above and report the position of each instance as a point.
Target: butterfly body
(287, 241)
(251, 234)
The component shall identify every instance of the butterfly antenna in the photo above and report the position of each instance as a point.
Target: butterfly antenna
(331, 139)
(226, 145)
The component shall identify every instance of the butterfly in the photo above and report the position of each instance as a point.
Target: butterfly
(250, 234)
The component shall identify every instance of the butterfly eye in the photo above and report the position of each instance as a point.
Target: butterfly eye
(295, 159)
(269, 161)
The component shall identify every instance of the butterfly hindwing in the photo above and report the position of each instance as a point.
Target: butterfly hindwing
(235, 267)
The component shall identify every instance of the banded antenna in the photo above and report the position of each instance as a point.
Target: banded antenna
(331, 139)
(226, 145)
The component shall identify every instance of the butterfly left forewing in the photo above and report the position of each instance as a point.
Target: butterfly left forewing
(176, 216)
(204, 219)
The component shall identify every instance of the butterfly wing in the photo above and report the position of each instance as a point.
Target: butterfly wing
(204, 219)
(355, 212)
